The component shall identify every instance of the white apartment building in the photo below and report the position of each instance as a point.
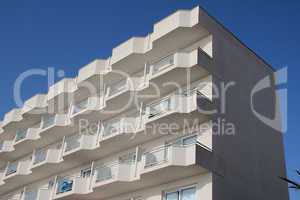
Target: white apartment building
(134, 126)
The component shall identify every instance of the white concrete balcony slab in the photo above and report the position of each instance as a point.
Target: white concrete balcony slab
(6, 148)
(93, 77)
(13, 196)
(107, 177)
(54, 128)
(171, 155)
(87, 109)
(21, 145)
(12, 118)
(167, 74)
(180, 29)
(60, 95)
(37, 194)
(170, 163)
(118, 126)
(17, 170)
(25, 138)
(79, 145)
(35, 106)
(179, 109)
(176, 31)
(72, 187)
(130, 53)
(93, 72)
(44, 160)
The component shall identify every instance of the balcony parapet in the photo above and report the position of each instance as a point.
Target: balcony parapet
(70, 186)
(27, 135)
(17, 168)
(92, 72)
(79, 142)
(132, 47)
(13, 116)
(36, 105)
(6, 146)
(48, 155)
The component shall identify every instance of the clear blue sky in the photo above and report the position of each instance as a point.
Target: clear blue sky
(68, 34)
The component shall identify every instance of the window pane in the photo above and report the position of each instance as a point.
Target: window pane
(188, 194)
(190, 140)
(172, 196)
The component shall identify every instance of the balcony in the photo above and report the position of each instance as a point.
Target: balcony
(72, 187)
(92, 77)
(179, 109)
(78, 145)
(12, 119)
(5, 147)
(24, 140)
(176, 31)
(169, 162)
(53, 128)
(87, 109)
(15, 171)
(129, 53)
(37, 194)
(44, 160)
(60, 94)
(34, 107)
(13, 196)
(169, 34)
(168, 73)
(124, 131)
(107, 177)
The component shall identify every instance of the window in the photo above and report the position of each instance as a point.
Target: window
(186, 193)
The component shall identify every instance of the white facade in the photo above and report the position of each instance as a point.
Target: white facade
(49, 154)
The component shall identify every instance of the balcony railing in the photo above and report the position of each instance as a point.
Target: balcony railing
(76, 108)
(64, 185)
(158, 108)
(11, 168)
(31, 195)
(40, 156)
(105, 172)
(120, 125)
(118, 87)
(111, 127)
(156, 157)
(162, 64)
(47, 121)
(20, 135)
(72, 142)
